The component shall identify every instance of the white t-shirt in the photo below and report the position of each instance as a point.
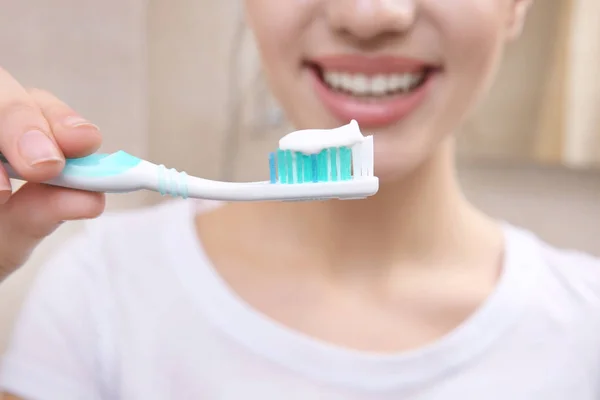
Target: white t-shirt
(133, 310)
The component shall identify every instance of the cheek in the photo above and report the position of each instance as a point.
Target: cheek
(473, 32)
(282, 31)
(470, 36)
(277, 26)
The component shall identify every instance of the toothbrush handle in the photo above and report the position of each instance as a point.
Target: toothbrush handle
(97, 172)
(118, 172)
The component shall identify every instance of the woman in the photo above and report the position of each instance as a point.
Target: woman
(410, 294)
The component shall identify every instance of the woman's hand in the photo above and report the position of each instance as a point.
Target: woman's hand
(37, 132)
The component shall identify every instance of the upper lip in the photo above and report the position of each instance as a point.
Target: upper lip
(371, 65)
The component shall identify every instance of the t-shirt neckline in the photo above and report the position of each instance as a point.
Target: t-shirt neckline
(332, 364)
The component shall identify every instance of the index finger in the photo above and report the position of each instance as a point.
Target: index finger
(25, 137)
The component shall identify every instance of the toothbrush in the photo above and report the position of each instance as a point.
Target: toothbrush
(332, 173)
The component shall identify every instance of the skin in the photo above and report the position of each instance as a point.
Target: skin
(35, 211)
(384, 263)
(328, 268)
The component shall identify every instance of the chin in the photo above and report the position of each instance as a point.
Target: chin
(391, 170)
(399, 159)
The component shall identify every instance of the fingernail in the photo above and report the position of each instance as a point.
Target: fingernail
(76, 122)
(37, 148)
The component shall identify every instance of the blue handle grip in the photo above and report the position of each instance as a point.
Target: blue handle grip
(97, 165)
(100, 165)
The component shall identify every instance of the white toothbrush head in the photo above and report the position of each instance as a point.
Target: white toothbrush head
(309, 165)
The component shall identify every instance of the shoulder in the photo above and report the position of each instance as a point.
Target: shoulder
(67, 328)
(576, 271)
(566, 273)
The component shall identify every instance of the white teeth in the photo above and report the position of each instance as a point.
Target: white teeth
(378, 85)
(360, 83)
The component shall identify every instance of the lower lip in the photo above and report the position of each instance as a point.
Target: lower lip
(371, 113)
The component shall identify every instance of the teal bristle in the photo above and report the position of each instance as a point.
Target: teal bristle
(330, 165)
(333, 157)
(281, 166)
(307, 168)
(299, 167)
(345, 163)
(323, 161)
(289, 160)
(315, 167)
(272, 172)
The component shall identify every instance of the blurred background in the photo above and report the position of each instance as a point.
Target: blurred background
(178, 82)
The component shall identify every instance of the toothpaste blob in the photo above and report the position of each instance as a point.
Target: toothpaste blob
(313, 141)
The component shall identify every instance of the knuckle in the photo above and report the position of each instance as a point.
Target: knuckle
(16, 118)
(37, 92)
(51, 106)
(94, 206)
(20, 110)
(73, 205)
(97, 207)
(18, 107)
(56, 112)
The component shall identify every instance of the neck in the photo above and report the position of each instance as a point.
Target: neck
(422, 220)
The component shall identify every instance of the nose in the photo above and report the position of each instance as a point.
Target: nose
(367, 19)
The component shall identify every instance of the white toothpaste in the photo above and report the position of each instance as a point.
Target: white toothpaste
(313, 141)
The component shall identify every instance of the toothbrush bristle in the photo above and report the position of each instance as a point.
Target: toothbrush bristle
(272, 166)
(330, 165)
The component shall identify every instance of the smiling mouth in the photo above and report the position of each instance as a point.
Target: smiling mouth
(376, 91)
(373, 86)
